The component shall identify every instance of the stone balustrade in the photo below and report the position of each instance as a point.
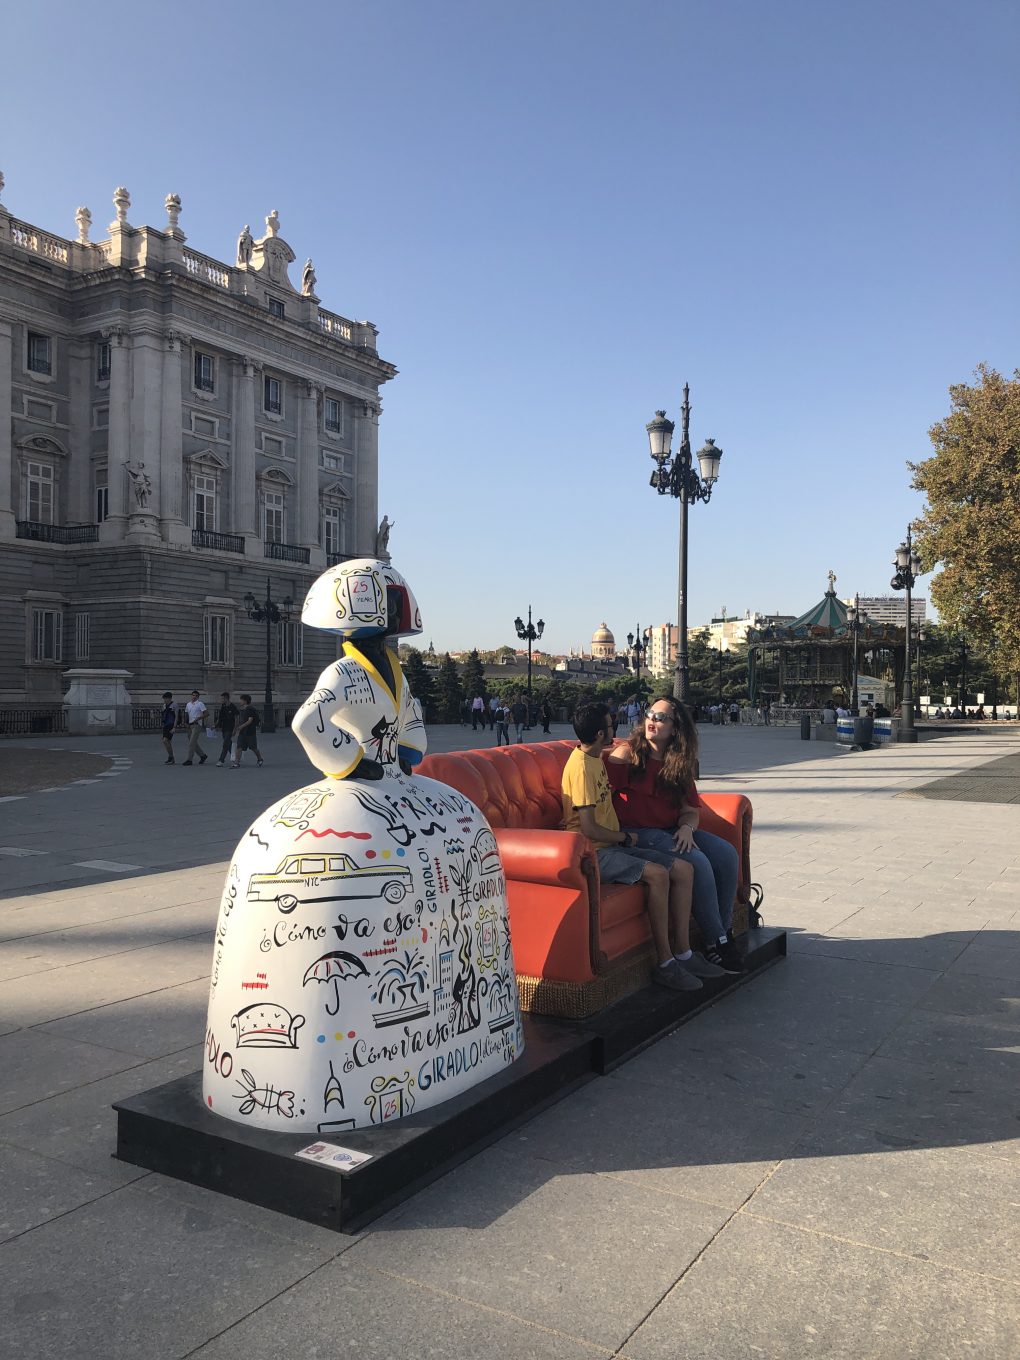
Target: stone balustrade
(208, 270)
(40, 242)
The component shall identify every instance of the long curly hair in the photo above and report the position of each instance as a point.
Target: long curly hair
(681, 755)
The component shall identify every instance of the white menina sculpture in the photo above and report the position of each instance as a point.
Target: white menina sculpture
(362, 966)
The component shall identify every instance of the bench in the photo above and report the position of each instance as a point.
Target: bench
(578, 945)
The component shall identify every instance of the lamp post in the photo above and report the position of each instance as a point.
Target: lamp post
(530, 633)
(267, 611)
(638, 646)
(853, 618)
(917, 688)
(676, 477)
(908, 568)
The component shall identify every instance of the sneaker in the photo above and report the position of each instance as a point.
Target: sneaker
(171, 761)
(186, 762)
(234, 765)
(202, 759)
(726, 954)
(676, 977)
(702, 966)
(219, 764)
(259, 763)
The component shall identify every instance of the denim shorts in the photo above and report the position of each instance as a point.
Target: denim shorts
(617, 865)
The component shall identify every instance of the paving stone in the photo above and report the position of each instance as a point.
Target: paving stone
(525, 1218)
(78, 1127)
(134, 1274)
(675, 1139)
(36, 1066)
(768, 1292)
(345, 1310)
(37, 1189)
(940, 1204)
(985, 1047)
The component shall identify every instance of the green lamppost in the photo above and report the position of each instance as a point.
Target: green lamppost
(267, 611)
(908, 569)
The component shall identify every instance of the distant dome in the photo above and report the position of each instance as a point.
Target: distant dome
(603, 644)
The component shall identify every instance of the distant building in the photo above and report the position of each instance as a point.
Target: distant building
(173, 430)
(892, 609)
(603, 644)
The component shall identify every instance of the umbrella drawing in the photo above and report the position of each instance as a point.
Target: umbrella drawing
(336, 967)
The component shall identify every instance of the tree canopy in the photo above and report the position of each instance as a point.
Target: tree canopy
(971, 523)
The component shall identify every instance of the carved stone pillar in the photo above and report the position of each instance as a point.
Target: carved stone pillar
(308, 467)
(77, 492)
(7, 515)
(366, 480)
(243, 490)
(118, 442)
(172, 525)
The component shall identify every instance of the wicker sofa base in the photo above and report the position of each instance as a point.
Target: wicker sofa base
(578, 1000)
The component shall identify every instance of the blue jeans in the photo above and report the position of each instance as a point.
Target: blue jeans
(716, 866)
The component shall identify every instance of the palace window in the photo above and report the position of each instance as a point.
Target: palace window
(217, 639)
(47, 635)
(82, 636)
(39, 492)
(272, 396)
(272, 516)
(333, 416)
(332, 529)
(102, 495)
(40, 353)
(205, 502)
(205, 372)
(276, 307)
(103, 362)
(289, 648)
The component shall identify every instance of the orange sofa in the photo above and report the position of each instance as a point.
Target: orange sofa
(578, 944)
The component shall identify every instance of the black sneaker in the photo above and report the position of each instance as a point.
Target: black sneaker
(202, 759)
(726, 955)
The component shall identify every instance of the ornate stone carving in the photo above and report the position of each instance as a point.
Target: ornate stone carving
(84, 220)
(121, 201)
(245, 242)
(382, 538)
(140, 484)
(308, 279)
(273, 223)
(172, 203)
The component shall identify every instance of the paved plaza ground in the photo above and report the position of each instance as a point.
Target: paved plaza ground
(825, 1163)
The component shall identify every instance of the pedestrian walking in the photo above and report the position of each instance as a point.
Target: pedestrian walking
(503, 724)
(477, 712)
(168, 721)
(226, 721)
(519, 713)
(196, 713)
(248, 726)
(493, 705)
(546, 712)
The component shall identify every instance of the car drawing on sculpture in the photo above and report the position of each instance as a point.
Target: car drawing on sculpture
(328, 878)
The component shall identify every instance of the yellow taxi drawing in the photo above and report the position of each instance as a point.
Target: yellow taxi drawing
(328, 878)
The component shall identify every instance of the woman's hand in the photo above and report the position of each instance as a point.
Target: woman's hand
(684, 838)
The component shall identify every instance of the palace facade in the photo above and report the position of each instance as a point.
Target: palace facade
(176, 433)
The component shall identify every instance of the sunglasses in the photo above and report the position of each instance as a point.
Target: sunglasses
(658, 717)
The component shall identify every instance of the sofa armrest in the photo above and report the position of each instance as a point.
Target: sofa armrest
(729, 815)
(537, 855)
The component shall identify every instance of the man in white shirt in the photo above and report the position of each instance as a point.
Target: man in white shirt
(196, 714)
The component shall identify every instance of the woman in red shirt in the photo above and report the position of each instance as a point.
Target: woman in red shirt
(652, 778)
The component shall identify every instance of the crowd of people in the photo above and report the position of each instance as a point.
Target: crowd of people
(238, 729)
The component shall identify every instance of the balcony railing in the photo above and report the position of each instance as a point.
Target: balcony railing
(205, 538)
(56, 533)
(20, 722)
(287, 552)
(334, 559)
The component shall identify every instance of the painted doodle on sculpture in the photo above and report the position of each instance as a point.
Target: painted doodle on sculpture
(362, 965)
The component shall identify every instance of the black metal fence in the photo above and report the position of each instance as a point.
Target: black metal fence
(26, 722)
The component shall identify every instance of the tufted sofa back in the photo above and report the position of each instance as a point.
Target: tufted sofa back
(514, 786)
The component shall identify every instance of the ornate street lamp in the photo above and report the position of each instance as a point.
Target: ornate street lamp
(853, 618)
(267, 611)
(676, 477)
(908, 569)
(638, 647)
(917, 688)
(530, 633)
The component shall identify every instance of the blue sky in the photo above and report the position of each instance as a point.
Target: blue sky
(557, 213)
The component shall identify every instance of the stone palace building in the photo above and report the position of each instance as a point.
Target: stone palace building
(175, 433)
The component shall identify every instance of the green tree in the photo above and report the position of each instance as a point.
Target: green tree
(472, 675)
(448, 691)
(419, 681)
(971, 522)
